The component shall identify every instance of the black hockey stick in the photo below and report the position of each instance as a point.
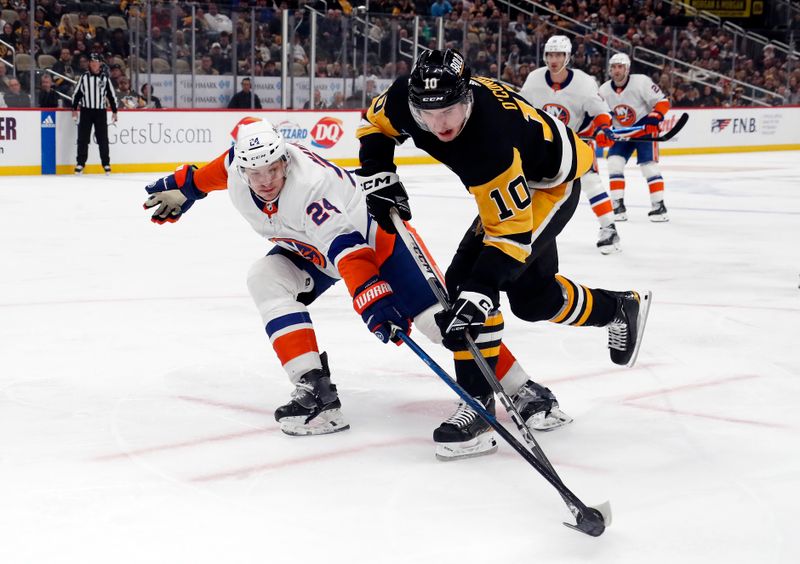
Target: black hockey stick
(621, 132)
(588, 519)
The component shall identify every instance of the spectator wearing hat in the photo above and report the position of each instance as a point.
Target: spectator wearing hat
(245, 98)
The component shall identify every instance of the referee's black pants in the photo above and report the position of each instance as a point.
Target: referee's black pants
(89, 118)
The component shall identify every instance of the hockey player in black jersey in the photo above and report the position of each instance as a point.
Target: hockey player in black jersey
(523, 168)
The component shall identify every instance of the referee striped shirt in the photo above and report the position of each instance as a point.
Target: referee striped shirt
(92, 91)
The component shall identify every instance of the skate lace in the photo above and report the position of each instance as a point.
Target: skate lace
(618, 335)
(463, 416)
(301, 389)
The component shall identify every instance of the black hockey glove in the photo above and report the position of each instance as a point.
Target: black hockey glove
(173, 194)
(384, 191)
(467, 314)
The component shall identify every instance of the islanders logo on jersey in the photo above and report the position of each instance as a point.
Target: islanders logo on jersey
(308, 252)
(327, 132)
(625, 115)
(557, 111)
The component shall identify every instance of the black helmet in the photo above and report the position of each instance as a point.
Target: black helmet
(439, 79)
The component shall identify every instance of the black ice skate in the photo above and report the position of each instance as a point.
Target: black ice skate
(620, 212)
(539, 408)
(79, 169)
(626, 330)
(315, 406)
(658, 212)
(465, 434)
(608, 240)
(107, 169)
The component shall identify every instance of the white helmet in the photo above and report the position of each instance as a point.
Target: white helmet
(258, 144)
(559, 44)
(620, 59)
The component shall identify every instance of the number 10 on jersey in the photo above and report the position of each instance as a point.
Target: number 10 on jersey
(515, 195)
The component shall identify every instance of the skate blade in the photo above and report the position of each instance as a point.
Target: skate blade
(325, 423)
(645, 297)
(621, 217)
(610, 249)
(556, 419)
(659, 218)
(479, 446)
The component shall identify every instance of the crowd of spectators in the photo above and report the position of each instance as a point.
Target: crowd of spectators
(497, 39)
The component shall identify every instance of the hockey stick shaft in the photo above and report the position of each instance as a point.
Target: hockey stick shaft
(622, 132)
(540, 467)
(588, 522)
(441, 294)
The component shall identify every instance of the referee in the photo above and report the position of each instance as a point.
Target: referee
(91, 93)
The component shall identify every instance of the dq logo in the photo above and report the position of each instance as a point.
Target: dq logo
(326, 132)
(308, 252)
(557, 111)
(625, 115)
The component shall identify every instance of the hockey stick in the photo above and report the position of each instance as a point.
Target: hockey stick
(623, 132)
(585, 522)
(589, 519)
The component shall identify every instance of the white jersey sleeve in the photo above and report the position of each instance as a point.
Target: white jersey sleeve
(320, 215)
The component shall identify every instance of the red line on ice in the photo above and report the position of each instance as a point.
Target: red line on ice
(707, 416)
(233, 406)
(690, 387)
(185, 444)
(242, 472)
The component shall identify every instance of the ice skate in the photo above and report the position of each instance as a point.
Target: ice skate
(107, 170)
(465, 434)
(79, 169)
(539, 408)
(626, 330)
(658, 213)
(620, 212)
(315, 406)
(608, 240)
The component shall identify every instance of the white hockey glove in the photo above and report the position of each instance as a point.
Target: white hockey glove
(170, 204)
(173, 194)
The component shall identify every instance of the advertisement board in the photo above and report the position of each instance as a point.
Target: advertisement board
(160, 140)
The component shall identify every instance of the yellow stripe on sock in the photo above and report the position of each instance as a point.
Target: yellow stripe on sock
(587, 307)
(570, 299)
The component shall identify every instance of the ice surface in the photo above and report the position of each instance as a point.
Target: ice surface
(137, 389)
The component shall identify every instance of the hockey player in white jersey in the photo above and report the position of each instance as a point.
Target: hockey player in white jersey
(635, 100)
(317, 217)
(571, 96)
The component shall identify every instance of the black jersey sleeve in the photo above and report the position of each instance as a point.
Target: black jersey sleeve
(378, 133)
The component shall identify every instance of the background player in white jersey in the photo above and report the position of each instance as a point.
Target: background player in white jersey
(635, 100)
(317, 217)
(571, 96)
